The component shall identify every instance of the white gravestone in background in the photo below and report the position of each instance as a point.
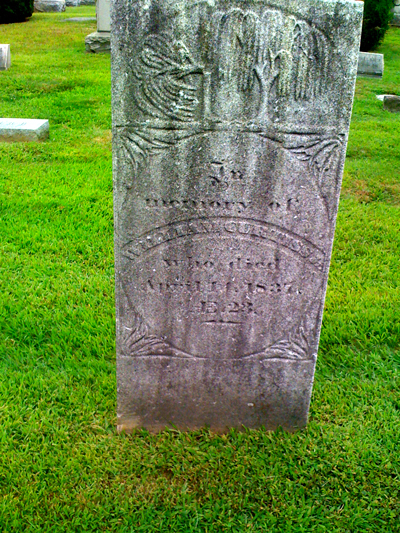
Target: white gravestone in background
(396, 14)
(370, 65)
(49, 6)
(103, 16)
(23, 130)
(99, 41)
(5, 57)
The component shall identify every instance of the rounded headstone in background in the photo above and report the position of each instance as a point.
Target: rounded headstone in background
(5, 57)
(49, 6)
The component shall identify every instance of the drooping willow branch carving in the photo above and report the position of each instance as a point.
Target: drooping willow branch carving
(274, 50)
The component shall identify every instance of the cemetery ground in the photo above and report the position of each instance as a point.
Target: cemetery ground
(63, 467)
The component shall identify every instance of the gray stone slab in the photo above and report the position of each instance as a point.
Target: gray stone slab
(381, 97)
(5, 57)
(98, 43)
(23, 130)
(49, 6)
(370, 65)
(230, 126)
(392, 103)
(80, 19)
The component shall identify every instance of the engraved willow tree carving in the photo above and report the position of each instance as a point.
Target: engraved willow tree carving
(263, 58)
(165, 89)
(276, 52)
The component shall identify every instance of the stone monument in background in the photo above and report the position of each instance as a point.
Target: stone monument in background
(5, 57)
(49, 6)
(99, 41)
(396, 14)
(230, 125)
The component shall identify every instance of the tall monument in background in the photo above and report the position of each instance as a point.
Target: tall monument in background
(230, 125)
(99, 41)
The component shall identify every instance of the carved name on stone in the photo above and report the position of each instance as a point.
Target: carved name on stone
(230, 125)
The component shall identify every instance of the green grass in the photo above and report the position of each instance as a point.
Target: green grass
(62, 465)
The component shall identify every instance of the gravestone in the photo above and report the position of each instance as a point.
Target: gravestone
(396, 14)
(99, 41)
(80, 19)
(391, 103)
(5, 57)
(230, 126)
(370, 65)
(23, 130)
(49, 6)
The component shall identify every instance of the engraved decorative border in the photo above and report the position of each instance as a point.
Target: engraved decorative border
(137, 340)
(321, 151)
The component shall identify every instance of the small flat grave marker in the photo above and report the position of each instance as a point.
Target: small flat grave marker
(23, 129)
(370, 65)
(81, 19)
(391, 103)
(5, 57)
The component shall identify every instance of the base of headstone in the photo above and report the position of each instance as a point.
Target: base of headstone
(271, 394)
(72, 3)
(23, 130)
(370, 65)
(5, 57)
(98, 42)
(392, 103)
(49, 6)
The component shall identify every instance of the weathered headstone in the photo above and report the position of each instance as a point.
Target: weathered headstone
(49, 6)
(5, 57)
(392, 103)
(99, 41)
(396, 14)
(230, 124)
(23, 129)
(370, 65)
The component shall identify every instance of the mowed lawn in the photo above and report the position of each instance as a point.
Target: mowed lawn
(63, 467)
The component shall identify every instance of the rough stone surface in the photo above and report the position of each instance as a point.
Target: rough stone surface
(72, 3)
(48, 6)
(370, 65)
(5, 57)
(230, 125)
(392, 103)
(98, 42)
(22, 130)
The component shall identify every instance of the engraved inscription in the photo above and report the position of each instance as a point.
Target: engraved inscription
(154, 203)
(226, 227)
(249, 293)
